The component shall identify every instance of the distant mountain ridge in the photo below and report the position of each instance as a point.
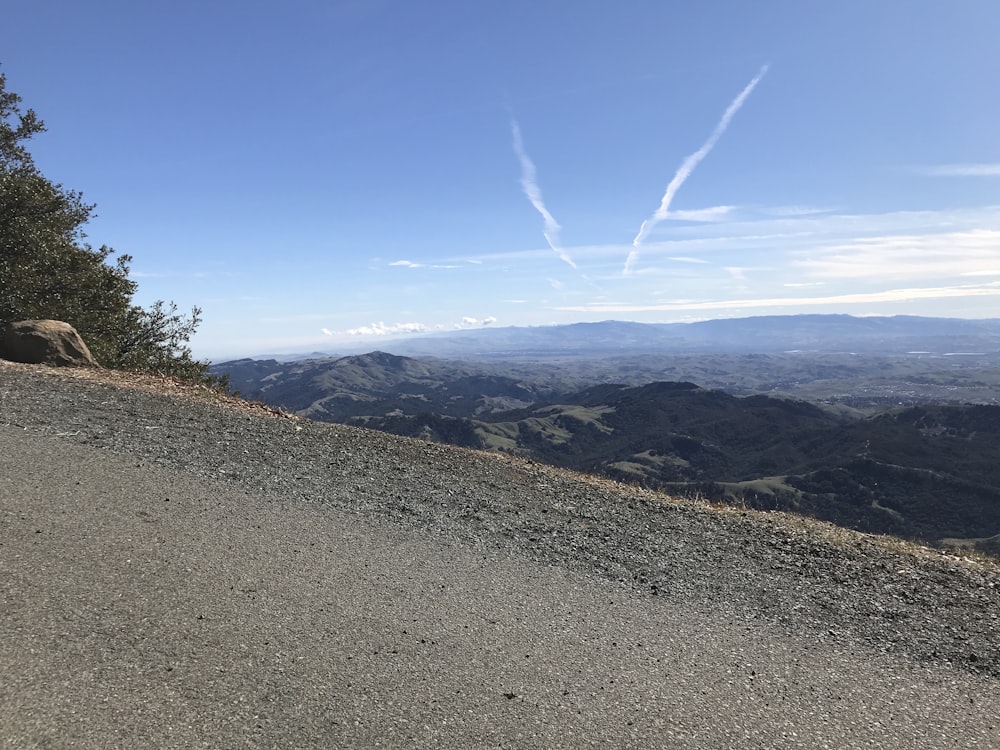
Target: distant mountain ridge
(761, 334)
(828, 333)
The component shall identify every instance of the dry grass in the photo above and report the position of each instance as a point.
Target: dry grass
(159, 384)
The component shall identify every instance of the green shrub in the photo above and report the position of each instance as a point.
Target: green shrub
(47, 270)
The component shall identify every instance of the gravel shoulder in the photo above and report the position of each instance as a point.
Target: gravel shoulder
(192, 570)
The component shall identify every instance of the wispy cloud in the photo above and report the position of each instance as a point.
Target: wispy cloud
(686, 168)
(436, 266)
(715, 213)
(847, 252)
(931, 256)
(381, 329)
(962, 170)
(529, 183)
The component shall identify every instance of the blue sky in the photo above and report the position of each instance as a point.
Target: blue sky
(314, 174)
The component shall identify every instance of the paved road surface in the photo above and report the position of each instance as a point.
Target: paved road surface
(140, 607)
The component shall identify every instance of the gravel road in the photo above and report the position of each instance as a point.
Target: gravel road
(180, 571)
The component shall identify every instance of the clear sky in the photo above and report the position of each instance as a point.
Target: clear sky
(315, 172)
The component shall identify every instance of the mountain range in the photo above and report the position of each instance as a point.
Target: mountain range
(899, 334)
(886, 443)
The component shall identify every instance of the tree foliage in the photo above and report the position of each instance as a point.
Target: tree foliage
(47, 270)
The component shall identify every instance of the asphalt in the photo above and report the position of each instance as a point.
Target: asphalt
(144, 607)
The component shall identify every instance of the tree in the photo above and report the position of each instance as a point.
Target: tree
(47, 270)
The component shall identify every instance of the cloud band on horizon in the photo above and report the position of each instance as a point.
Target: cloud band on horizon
(990, 289)
(687, 167)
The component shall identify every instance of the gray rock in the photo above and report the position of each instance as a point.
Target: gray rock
(45, 342)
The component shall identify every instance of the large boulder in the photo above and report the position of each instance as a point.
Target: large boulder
(45, 342)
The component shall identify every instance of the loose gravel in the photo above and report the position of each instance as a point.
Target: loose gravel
(786, 573)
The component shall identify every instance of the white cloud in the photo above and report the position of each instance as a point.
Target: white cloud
(381, 329)
(930, 256)
(326, 331)
(406, 264)
(468, 322)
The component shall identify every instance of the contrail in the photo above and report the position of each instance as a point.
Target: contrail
(534, 194)
(687, 167)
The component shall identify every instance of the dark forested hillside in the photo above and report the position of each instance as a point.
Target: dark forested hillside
(930, 471)
(926, 473)
(380, 384)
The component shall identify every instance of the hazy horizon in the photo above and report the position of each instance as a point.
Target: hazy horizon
(389, 343)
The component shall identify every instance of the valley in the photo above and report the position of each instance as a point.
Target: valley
(886, 442)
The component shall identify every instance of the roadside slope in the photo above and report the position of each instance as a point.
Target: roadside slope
(313, 585)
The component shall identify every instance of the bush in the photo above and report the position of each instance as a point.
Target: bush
(48, 271)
